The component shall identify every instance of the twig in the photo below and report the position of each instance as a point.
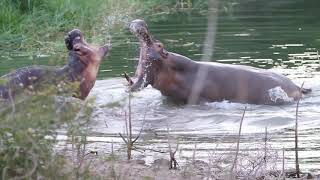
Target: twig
(296, 135)
(194, 154)
(283, 172)
(143, 121)
(126, 123)
(12, 103)
(130, 117)
(123, 138)
(265, 145)
(173, 160)
(153, 150)
(112, 153)
(129, 141)
(234, 165)
(128, 78)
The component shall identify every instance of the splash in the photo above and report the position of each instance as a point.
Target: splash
(278, 93)
(117, 18)
(227, 105)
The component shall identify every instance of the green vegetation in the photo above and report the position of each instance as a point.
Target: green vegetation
(33, 24)
(28, 132)
(41, 24)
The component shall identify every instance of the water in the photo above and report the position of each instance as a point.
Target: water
(279, 35)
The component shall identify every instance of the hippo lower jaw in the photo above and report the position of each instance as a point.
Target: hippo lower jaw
(138, 85)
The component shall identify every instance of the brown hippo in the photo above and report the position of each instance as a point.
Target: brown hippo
(81, 70)
(175, 75)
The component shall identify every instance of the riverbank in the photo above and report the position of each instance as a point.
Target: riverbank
(113, 167)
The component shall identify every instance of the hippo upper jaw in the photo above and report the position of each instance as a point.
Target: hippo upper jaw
(146, 69)
(140, 29)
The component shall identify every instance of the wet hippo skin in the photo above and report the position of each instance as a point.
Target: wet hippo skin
(82, 69)
(175, 75)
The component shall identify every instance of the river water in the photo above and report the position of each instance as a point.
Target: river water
(282, 36)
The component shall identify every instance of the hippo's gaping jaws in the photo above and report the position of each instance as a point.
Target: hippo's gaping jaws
(175, 75)
(83, 67)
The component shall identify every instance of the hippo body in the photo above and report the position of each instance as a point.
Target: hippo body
(235, 83)
(183, 79)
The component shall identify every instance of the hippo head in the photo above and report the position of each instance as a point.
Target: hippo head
(152, 53)
(84, 60)
(85, 52)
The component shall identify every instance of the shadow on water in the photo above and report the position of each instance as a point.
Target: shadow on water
(281, 35)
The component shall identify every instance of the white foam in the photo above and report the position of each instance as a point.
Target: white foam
(278, 93)
(226, 105)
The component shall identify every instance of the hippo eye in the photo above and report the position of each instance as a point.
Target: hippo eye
(160, 45)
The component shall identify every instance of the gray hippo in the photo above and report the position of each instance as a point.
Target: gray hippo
(81, 71)
(175, 75)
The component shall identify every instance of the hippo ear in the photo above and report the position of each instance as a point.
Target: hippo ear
(68, 42)
(164, 53)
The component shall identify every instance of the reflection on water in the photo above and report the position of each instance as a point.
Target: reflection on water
(282, 35)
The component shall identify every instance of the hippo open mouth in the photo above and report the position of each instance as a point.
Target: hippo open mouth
(144, 72)
(75, 41)
(140, 29)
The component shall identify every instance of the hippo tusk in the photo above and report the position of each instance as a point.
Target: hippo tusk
(133, 86)
(128, 79)
(137, 85)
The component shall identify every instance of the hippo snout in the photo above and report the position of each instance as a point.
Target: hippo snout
(138, 27)
(103, 50)
(73, 37)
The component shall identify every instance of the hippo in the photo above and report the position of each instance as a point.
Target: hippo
(81, 71)
(176, 76)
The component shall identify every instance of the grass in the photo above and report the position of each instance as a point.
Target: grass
(35, 24)
(29, 25)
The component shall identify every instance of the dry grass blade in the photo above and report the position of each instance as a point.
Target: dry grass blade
(129, 140)
(296, 135)
(173, 161)
(283, 171)
(234, 165)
